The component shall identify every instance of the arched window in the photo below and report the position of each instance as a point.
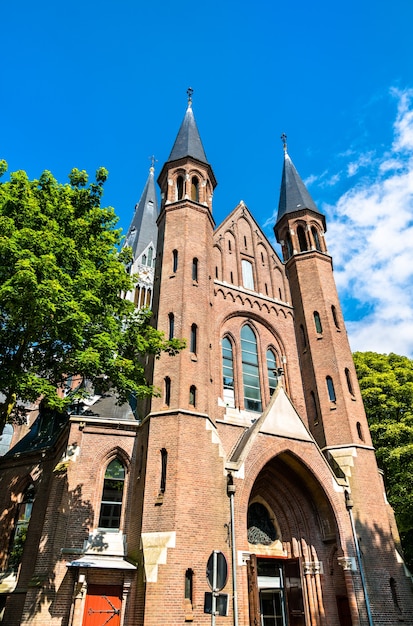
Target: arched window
(144, 259)
(228, 372)
(167, 391)
(335, 318)
(111, 503)
(192, 395)
(194, 333)
(250, 372)
(302, 239)
(195, 189)
(247, 274)
(179, 188)
(171, 331)
(348, 379)
(231, 275)
(288, 246)
(195, 269)
(164, 463)
(22, 520)
(262, 259)
(330, 389)
(189, 584)
(216, 271)
(266, 289)
(272, 371)
(359, 431)
(316, 238)
(245, 242)
(150, 256)
(174, 260)
(317, 322)
(229, 245)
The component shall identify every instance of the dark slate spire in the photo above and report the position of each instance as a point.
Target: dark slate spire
(143, 229)
(188, 142)
(294, 195)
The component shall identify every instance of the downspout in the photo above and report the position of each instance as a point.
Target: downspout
(349, 507)
(231, 494)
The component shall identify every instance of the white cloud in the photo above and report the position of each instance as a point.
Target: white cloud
(371, 241)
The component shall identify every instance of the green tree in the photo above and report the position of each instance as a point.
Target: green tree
(386, 383)
(62, 277)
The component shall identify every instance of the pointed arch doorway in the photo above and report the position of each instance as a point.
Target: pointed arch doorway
(292, 536)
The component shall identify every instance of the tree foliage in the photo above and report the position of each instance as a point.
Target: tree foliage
(62, 277)
(386, 383)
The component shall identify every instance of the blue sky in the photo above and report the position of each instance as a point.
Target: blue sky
(104, 83)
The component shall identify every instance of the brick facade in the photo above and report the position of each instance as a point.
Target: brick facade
(295, 461)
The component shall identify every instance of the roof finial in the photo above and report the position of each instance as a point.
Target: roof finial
(284, 140)
(189, 91)
(153, 161)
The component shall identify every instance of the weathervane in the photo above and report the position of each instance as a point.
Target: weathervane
(284, 140)
(153, 161)
(189, 92)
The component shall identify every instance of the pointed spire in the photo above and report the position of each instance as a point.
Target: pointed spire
(143, 229)
(188, 142)
(294, 195)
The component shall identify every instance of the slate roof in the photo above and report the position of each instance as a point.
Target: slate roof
(188, 141)
(143, 229)
(294, 195)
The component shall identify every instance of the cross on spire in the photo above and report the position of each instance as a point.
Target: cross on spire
(284, 140)
(189, 92)
(153, 161)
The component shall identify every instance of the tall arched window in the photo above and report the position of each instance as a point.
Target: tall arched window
(174, 260)
(228, 372)
(288, 246)
(171, 331)
(348, 379)
(195, 269)
(302, 239)
(195, 189)
(22, 520)
(330, 389)
(194, 333)
(192, 395)
(179, 188)
(317, 322)
(316, 238)
(150, 256)
(247, 274)
(272, 371)
(335, 318)
(164, 463)
(111, 503)
(250, 372)
(167, 391)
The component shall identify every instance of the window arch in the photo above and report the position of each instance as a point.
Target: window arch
(174, 260)
(24, 512)
(167, 391)
(194, 337)
(272, 371)
(195, 269)
(288, 245)
(330, 389)
(335, 318)
(150, 256)
(164, 463)
(348, 379)
(179, 188)
(228, 373)
(316, 238)
(247, 274)
(359, 431)
(195, 189)
(302, 239)
(192, 395)
(317, 322)
(250, 372)
(171, 330)
(112, 495)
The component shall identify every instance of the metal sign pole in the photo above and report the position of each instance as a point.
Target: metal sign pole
(214, 588)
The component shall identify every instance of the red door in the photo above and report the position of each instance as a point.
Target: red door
(103, 605)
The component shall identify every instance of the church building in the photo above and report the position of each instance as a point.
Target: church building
(247, 492)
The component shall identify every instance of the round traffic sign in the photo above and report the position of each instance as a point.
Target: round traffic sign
(217, 571)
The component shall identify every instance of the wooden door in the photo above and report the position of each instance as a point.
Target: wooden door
(103, 605)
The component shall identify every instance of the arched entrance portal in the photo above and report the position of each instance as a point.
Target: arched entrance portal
(294, 578)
